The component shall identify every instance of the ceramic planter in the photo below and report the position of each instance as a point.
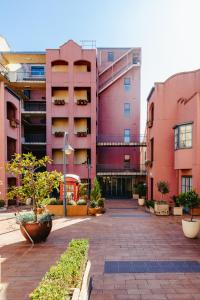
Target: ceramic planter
(161, 209)
(141, 201)
(190, 229)
(177, 211)
(135, 196)
(37, 231)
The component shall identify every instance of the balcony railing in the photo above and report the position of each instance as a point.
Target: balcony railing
(26, 76)
(120, 139)
(34, 106)
(137, 168)
(35, 138)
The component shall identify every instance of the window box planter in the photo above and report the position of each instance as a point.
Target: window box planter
(72, 210)
(82, 102)
(82, 134)
(177, 211)
(59, 101)
(59, 133)
(161, 209)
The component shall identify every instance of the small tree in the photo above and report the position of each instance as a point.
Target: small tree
(83, 191)
(141, 189)
(163, 188)
(33, 183)
(189, 200)
(96, 192)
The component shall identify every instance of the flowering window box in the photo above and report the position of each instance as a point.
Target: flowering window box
(59, 101)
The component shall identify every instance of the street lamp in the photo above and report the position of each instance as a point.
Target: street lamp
(67, 150)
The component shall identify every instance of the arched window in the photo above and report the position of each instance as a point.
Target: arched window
(59, 66)
(11, 111)
(82, 66)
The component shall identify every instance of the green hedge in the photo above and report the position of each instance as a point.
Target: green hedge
(65, 275)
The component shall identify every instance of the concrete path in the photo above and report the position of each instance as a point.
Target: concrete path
(121, 234)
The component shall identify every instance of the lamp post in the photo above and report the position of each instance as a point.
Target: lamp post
(67, 150)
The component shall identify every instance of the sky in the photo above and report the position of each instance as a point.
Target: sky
(167, 30)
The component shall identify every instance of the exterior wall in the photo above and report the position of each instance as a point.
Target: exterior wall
(176, 101)
(74, 76)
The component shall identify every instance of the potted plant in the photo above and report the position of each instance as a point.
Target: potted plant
(190, 200)
(78, 208)
(149, 206)
(36, 184)
(162, 207)
(141, 191)
(177, 209)
(95, 196)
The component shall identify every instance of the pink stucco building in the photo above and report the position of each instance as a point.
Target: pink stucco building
(173, 134)
(93, 94)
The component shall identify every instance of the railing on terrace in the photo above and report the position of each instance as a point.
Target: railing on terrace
(26, 76)
(34, 106)
(35, 138)
(120, 139)
(138, 168)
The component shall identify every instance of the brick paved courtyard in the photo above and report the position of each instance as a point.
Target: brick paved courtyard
(119, 235)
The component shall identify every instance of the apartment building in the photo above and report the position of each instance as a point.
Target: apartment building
(173, 134)
(93, 94)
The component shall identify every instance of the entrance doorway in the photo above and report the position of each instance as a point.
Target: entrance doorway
(116, 186)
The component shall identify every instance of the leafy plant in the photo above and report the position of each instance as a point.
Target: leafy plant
(163, 187)
(34, 183)
(83, 191)
(29, 217)
(2, 203)
(100, 202)
(149, 203)
(67, 274)
(93, 204)
(71, 202)
(189, 200)
(50, 201)
(95, 193)
(176, 201)
(141, 189)
(81, 202)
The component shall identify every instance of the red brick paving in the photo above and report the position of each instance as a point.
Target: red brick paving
(155, 238)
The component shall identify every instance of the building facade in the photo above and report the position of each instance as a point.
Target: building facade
(93, 94)
(173, 135)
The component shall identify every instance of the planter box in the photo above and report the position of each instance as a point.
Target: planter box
(72, 210)
(84, 292)
(196, 211)
(135, 196)
(161, 209)
(177, 211)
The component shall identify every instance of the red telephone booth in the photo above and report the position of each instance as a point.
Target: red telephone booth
(72, 186)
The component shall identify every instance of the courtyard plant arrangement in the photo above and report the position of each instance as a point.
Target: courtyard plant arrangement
(35, 184)
(190, 226)
(69, 278)
(162, 207)
(141, 191)
(96, 200)
(149, 206)
(177, 209)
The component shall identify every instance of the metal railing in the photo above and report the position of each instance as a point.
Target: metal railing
(35, 138)
(137, 168)
(34, 106)
(27, 76)
(120, 139)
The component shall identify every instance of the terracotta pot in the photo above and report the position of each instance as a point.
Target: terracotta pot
(190, 229)
(141, 201)
(93, 211)
(37, 231)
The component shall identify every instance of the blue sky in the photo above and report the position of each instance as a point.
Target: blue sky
(167, 30)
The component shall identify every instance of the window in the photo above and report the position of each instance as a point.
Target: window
(110, 56)
(126, 135)
(127, 83)
(186, 184)
(183, 136)
(127, 109)
(37, 70)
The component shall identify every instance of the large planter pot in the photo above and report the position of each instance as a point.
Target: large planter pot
(56, 210)
(161, 209)
(141, 201)
(93, 211)
(177, 211)
(37, 231)
(190, 229)
(76, 210)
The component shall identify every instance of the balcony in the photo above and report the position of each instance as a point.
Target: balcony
(34, 107)
(121, 169)
(22, 76)
(34, 138)
(121, 140)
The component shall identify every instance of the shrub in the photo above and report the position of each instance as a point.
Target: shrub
(149, 203)
(163, 187)
(2, 203)
(29, 217)
(81, 202)
(83, 190)
(141, 189)
(65, 275)
(100, 202)
(189, 200)
(50, 201)
(93, 204)
(71, 202)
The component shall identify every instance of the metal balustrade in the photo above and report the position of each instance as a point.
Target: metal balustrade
(120, 139)
(137, 168)
(34, 106)
(35, 138)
